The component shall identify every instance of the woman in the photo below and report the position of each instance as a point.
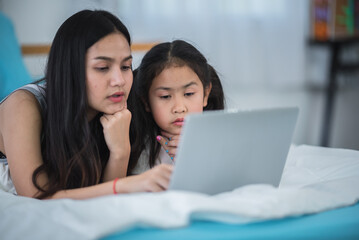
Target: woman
(70, 137)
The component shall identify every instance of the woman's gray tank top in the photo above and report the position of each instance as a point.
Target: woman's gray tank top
(39, 92)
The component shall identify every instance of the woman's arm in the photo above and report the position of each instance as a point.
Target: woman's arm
(21, 131)
(116, 130)
(154, 180)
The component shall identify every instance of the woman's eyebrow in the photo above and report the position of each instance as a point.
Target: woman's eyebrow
(109, 59)
(127, 58)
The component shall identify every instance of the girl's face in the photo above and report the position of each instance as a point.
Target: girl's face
(174, 93)
(108, 74)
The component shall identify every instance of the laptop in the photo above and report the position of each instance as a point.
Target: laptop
(222, 150)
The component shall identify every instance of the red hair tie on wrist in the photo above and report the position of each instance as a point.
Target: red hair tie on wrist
(114, 185)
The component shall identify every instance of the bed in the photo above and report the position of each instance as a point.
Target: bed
(317, 199)
(341, 223)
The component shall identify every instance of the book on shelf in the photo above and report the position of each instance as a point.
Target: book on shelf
(332, 19)
(356, 17)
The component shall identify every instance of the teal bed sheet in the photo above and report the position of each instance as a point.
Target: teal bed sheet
(341, 223)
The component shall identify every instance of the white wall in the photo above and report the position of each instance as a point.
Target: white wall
(36, 21)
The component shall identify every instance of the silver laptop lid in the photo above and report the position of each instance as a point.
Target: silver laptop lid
(223, 150)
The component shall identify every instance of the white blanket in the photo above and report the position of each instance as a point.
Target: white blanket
(315, 179)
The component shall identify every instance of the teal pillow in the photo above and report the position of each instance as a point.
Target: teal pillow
(13, 73)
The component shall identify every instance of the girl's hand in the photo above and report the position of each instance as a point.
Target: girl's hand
(154, 180)
(169, 142)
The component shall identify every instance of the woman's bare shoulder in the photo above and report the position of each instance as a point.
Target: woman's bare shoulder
(20, 99)
(20, 104)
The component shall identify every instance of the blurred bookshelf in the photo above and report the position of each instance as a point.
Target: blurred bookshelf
(334, 24)
(333, 19)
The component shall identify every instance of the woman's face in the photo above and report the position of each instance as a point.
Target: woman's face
(174, 93)
(108, 74)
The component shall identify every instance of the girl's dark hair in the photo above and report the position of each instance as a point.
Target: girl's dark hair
(177, 53)
(74, 150)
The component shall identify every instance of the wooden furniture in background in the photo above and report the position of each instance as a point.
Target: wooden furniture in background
(336, 66)
(44, 49)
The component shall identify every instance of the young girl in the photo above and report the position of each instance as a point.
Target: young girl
(173, 80)
(70, 137)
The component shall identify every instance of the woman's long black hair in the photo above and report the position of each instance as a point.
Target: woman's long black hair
(143, 127)
(74, 150)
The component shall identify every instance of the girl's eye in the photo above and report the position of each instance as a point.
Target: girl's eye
(165, 97)
(189, 94)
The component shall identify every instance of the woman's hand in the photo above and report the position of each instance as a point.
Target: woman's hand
(116, 129)
(154, 180)
(169, 142)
